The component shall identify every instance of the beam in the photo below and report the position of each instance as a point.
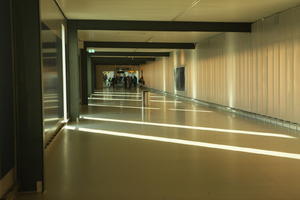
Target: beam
(141, 45)
(123, 25)
(50, 62)
(49, 45)
(122, 59)
(153, 54)
(119, 63)
(49, 55)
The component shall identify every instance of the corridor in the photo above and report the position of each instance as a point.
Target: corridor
(150, 100)
(172, 149)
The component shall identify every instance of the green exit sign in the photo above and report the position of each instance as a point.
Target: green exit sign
(91, 50)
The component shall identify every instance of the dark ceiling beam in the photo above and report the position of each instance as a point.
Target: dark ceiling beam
(49, 45)
(139, 45)
(123, 59)
(118, 63)
(152, 54)
(49, 62)
(162, 26)
(49, 55)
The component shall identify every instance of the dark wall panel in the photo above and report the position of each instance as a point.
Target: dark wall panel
(83, 77)
(6, 91)
(73, 72)
(27, 51)
(89, 75)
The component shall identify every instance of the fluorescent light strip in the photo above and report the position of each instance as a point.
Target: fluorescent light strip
(162, 101)
(50, 107)
(51, 101)
(190, 127)
(191, 143)
(51, 119)
(133, 107)
(64, 73)
(115, 95)
(107, 99)
(51, 97)
(189, 110)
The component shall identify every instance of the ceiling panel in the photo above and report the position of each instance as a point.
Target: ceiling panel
(124, 9)
(179, 10)
(144, 36)
(235, 10)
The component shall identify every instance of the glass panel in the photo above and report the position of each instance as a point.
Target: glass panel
(52, 66)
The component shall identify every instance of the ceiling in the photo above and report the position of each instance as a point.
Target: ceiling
(166, 10)
(175, 10)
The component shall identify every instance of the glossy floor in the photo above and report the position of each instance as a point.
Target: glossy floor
(169, 150)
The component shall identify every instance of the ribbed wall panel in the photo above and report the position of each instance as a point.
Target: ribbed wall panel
(257, 72)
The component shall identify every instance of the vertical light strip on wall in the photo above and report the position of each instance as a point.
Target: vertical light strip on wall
(194, 80)
(231, 68)
(64, 71)
(175, 64)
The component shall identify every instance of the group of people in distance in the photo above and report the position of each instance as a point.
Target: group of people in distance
(127, 81)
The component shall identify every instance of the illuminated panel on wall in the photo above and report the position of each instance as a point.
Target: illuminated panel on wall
(64, 72)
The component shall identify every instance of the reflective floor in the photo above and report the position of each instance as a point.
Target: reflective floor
(169, 150)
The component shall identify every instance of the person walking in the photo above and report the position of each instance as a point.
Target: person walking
(130, 82)
(142, 81)
(125, 81)
(135, 81)
(113, 82)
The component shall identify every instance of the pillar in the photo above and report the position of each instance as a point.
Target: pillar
(29, 119)
(73, 72)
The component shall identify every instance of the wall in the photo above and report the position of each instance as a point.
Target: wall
(257, 72)
(6, 101)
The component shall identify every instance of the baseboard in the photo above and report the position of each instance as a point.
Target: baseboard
(266, 119)
(6, 184)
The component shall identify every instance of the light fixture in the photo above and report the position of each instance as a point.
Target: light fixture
(91, 50)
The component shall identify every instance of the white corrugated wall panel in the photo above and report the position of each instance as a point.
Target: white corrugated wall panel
(257, 72)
